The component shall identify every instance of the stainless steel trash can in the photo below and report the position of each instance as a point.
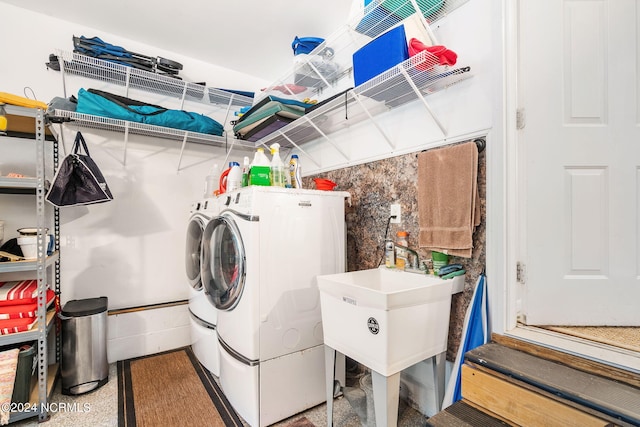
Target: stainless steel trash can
(84, 345)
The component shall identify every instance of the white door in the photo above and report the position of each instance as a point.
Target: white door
(580, 162)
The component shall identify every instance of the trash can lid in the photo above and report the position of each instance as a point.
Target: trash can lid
(85, 307)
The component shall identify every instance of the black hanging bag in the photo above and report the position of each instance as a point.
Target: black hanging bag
(78, 180)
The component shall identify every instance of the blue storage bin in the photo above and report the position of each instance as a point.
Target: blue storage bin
(380, 54)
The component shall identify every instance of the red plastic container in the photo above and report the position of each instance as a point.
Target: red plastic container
(324, 184)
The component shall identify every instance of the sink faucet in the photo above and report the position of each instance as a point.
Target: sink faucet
(415, 264)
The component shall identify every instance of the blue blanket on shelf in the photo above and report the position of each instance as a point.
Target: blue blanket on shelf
(104, 104)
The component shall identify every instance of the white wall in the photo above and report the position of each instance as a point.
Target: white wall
(147, 332)
(131, 249)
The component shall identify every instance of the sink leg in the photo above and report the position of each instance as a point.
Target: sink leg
(439, 367)
(329, 361)
(340, 374)
(386, 393)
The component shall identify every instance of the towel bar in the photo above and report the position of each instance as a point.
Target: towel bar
(481, 143)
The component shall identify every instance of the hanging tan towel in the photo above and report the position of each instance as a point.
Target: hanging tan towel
(448, 202)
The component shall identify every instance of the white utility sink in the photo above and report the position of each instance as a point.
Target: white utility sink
(386, 319)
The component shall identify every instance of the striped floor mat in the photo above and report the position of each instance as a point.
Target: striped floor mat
(171, 389)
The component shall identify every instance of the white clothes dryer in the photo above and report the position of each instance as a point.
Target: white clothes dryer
(203, 315)
(261, 258)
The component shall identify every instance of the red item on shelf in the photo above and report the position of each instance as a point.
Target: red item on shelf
(445, 56)
(19, 292)
(23, 311)
(13, 326)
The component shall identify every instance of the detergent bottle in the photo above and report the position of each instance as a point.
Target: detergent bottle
(278, 175)
(234, 179)
(231, 178)
(294, 171)
(260, 171)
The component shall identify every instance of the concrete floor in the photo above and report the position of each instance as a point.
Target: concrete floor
(100, 409)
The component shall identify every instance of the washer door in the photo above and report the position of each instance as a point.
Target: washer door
(223, 267)
(193, 250)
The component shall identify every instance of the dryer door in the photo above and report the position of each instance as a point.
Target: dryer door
(223, 268)
(193, 250)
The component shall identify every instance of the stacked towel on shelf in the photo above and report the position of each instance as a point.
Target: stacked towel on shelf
(267, 116)
(448, 201)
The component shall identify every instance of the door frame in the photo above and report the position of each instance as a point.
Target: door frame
(504, 221)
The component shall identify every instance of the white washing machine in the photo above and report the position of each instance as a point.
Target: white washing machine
(261, 256)
(203, 315)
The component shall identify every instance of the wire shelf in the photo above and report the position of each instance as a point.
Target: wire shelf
(327, 72)
(381, 15)
(116, 125)
(395, 87)
(123, 75)
(328, 69)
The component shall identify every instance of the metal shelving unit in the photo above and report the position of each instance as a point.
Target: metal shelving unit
(327, 71)
(46, 375)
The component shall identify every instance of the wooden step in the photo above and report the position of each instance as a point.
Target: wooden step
(523, 385)
(577, 362)
(462, 414)
(520, 405)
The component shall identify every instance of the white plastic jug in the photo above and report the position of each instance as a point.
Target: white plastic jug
(231, 178)
(234, 179)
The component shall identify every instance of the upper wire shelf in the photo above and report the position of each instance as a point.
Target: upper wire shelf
(419, 76)
(122, 75)
(327, 70)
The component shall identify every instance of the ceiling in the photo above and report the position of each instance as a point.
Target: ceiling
(251, 36)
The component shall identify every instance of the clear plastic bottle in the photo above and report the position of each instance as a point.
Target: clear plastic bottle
(401, 254)
(260, 170)
(294, 171)
(245, 172)
(278, 175)
(389, 254)
(211, 181)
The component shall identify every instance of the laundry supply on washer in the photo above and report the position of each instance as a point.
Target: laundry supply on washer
(278, 175)
(211, 181)
(294, 171)
(231, 178)
(245, 172)
(234, 179)
(260, 170)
